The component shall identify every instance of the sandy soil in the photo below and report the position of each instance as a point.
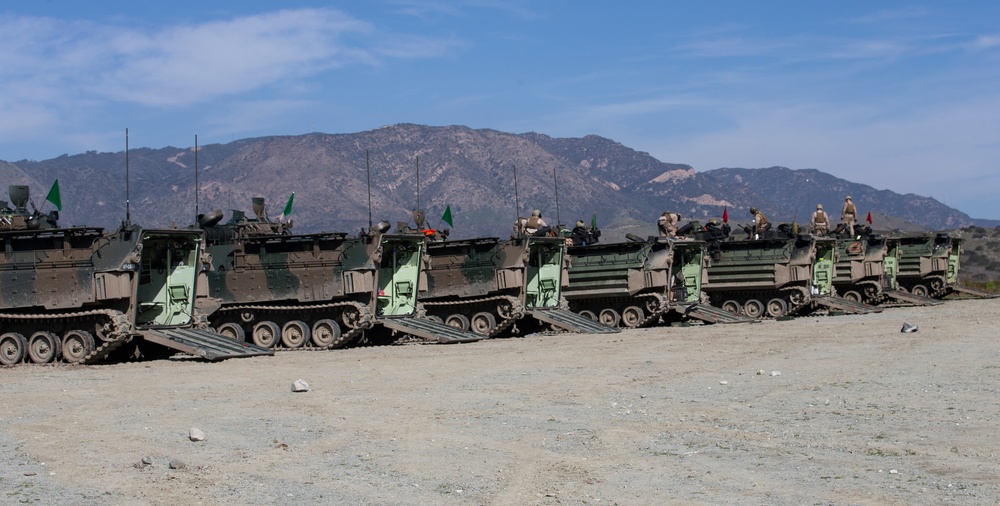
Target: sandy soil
(819, 410)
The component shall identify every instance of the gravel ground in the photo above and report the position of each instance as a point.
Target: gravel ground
(818, 410)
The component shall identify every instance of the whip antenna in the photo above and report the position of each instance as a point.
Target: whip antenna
(555, 182)
(418, 182)
(368, 167)
(128, 205)
(196, 178)
(517, 204)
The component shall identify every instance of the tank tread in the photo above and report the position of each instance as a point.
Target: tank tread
(365, 320)
(663, 305)
(516, 312)
(114, 334)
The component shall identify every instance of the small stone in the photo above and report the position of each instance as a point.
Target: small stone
(147, 460)
(893, 471)
(177, 464)
(761, 372)
(30, 473)
(300, 385)
(775, 373)
(909, 327)
(723, 382)
(196, 434)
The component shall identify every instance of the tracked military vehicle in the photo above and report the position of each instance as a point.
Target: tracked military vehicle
(928, 263)
(79, 294)
(777, 274)
(859, 272)
(641, 282)
(313, 291)
(487, 285)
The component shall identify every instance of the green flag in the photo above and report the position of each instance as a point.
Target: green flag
(54, 196)
(593, 221)
(288, 207)
(446, 217)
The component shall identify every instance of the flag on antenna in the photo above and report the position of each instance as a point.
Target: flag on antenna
(54, 196)
(446, 217)
(725, 215)
(869, 219)
(288, 207)
(593, 221)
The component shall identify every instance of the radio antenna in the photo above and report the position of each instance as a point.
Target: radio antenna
(418, 182)
(368, 167)
(517, 204)
(196, 178)
(128, 205)
(555, 182)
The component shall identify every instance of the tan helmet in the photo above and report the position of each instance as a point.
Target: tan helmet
(536, 213)
(579, 223)
(848, 197)
(819, 207)
(753, 210)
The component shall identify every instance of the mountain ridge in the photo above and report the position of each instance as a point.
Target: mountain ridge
(471, 170)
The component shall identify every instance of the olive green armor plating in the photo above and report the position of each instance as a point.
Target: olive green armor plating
(927, 264)
(77, 294)
(860, 274)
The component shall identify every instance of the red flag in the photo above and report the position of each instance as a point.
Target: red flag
(869, 217)
(725, 215)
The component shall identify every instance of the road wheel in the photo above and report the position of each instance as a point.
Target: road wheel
(294, 334)
(12, 348)
(632, 316)
(753, 308)
(77, 344)
(459, 321)
(919, 290)
(44, 347)
(777, 307)
(588, 314)
(483, 323)
(609, 317)
(325, 333)
(266, 334)
(852, 295)
(232, 331)
(732, 306)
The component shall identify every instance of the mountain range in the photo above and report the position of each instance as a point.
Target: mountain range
(471, 170)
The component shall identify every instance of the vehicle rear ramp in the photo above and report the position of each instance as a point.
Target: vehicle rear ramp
(909, 298)
(711, 314)
(430, 329)
(972, 291)
(206, 344)
(845, 305)
(570, 321)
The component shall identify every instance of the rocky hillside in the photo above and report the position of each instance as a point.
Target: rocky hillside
(471, 170)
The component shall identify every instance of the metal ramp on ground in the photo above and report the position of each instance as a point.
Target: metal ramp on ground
(907, 297)
(570, 321)
(845, 305)
(711, 314)
(972, 291)
(206, 344)
(429, 329)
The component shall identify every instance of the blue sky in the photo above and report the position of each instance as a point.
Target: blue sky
(898, 95)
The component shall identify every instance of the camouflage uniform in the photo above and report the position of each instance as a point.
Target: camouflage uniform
(667, 223)
(759, 220)
(849, 214)
(820, 221)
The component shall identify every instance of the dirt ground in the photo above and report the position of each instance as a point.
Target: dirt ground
(819, 410)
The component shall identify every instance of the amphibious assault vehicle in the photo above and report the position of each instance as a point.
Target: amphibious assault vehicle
(78, 294)
(487, 285)
(641, 282)
(314, 291)
(859, 272)
(778, 273)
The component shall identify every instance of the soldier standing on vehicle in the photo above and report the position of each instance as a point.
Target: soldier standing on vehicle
(667, 223)
(759, 222)
(820, 221)
(849, 214)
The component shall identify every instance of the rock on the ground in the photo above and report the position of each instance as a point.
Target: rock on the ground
(300, 385)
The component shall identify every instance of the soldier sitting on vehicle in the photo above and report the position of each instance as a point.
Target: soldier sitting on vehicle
(667, 223)
(536, 225)
(820, 221)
